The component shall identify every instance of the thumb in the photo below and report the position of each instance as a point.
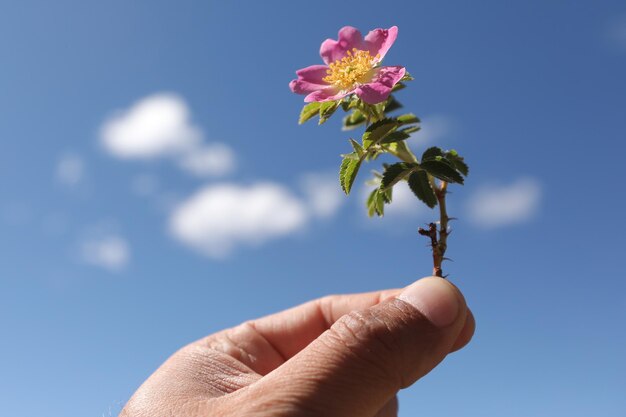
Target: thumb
(358, 365)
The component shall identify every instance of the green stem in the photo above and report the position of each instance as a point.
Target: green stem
(403, 156)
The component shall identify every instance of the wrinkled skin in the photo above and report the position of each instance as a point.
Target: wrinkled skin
(343, 355)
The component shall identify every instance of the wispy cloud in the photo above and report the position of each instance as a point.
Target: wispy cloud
(219, 218)
(323, 196)
(111, 252)
(211, 160)
(160, 126)
(434, 128)
(70, 169)
(501, 205)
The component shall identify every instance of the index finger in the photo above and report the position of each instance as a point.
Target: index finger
(292, 330)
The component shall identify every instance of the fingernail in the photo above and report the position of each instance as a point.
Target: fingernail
(435, 298)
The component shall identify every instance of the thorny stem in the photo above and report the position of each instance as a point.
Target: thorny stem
(438, 241)
(440, 251)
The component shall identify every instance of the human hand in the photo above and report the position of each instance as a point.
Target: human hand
(345, 355)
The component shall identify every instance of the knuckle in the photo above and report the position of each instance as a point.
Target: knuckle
(377, 336)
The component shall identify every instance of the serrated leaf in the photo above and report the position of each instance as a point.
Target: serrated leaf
(376, 131)
(309, 111)
(408, 118)
(458, 162)
(442, 169)
(347, 172)
(327, 109)
(431, 153)
(411, 129)
(387, 195)
(407, 77)
(380, 203)
(395, 137)
(371, 203)
(396, 172)
(357, 147)
(419, 184)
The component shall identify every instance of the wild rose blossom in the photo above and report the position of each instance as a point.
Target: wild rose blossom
(352, 67)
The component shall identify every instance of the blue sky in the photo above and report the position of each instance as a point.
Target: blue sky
(108, 262)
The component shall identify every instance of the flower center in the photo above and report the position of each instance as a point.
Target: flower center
(351, 70)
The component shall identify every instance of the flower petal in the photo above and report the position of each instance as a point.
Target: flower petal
(327, 94)
(309, 79)
(313, 74)
(379, 89)
(378, 41)
(333, 50)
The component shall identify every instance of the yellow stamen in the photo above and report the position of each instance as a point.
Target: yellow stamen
(352, 70)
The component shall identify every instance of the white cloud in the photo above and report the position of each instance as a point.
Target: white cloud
(322, 193)
(215, 159)
(159, 126)
(219, 218)
(495, 206)
(434, 128)
(70, 170)
(155, 126)
(110, 252)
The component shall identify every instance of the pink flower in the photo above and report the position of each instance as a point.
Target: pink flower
(352, 67)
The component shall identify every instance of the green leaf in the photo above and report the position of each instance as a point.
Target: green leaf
(419, 184)
(309, 111)
(348, 171)
(402, 150)
(376, 131)
(392, 104)
(407, 77)
(380, 203)
(357, 147)
(395, 137)
(399, 86)
(376, 203)
(407, 119)
(396, 172)
(387, 195)
(431, 153)
(442, 169)
(411, 129)
(457, 161)
(371, 203)
(353, 120)
(327, 109)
